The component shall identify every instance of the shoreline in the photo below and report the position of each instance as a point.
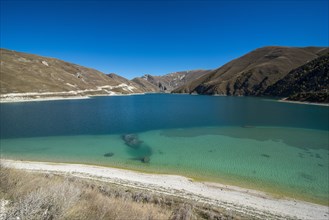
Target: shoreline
(20, 99)
(10, 98)
(230, 197)
(303, 103)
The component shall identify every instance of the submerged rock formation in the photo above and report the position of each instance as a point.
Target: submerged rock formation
(132, 140)
(143, 159)
(110, 154)
(146, 159)
(138, 149)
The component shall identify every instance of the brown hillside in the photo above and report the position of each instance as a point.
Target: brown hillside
(171, 81)
(27, 73)
(252, 73)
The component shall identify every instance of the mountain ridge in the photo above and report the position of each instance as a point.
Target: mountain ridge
(256, 73)
(253, 72)
(171, 81)
(309, 82)
(33, 75)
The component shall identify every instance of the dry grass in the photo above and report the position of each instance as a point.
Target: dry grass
(58, 196)
(109, 208)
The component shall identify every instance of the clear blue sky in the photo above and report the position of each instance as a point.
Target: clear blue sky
(133, 38)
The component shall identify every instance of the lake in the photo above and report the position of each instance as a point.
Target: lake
(257, 143)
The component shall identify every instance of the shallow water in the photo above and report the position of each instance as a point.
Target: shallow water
(226, 139)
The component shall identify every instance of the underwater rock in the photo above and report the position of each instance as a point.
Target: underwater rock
(318, 156)
(132, 140)
(247, 126)
(110, 154)
(307, 176)
(146, 159)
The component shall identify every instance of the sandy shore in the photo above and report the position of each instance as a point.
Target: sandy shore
(55, 98)
(27, 99)
(37, 97)
(241, 200)
(304, 103)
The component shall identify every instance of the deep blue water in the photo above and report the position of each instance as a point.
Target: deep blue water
(124, 114)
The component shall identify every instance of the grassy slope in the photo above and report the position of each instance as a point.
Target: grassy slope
(58, 196)
(252, 73)
(309, 82)
(22, 72)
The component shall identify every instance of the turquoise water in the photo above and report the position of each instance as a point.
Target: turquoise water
(281, 151)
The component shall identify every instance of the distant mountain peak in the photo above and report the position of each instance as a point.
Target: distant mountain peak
(171, 81)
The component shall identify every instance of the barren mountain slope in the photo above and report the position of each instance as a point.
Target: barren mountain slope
(27, 73)
(146, 84)
(309, 82)
(171, 81)
(252, 73)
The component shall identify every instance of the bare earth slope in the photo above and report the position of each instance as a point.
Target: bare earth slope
(171, 81)
(131, 83)
(146, 84)
(30, 75)
(309, 82)
(252, 73)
